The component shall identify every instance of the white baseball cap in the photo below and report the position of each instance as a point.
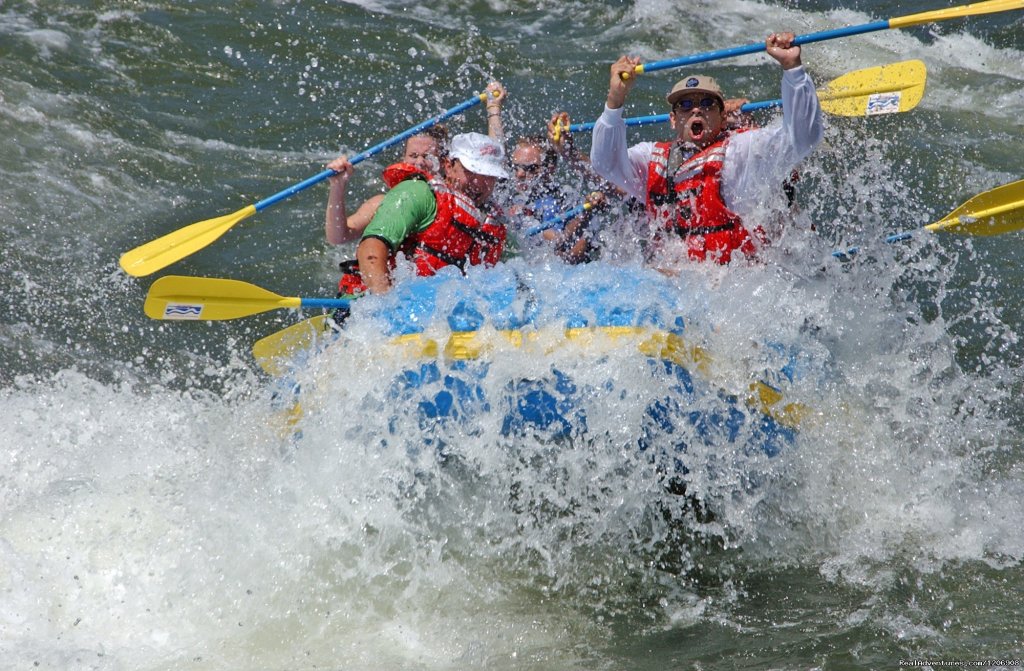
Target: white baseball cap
(480, 154)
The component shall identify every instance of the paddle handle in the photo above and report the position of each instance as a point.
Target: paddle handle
(376, 149)
(631, 121)
(662, 118)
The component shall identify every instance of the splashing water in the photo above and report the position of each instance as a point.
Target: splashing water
(159, 510)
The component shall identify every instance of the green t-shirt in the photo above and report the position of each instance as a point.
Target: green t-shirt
(406, 209)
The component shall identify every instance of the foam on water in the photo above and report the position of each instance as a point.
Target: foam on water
(181, 527)
(146, 530)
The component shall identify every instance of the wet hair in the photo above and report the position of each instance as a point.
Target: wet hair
(550, 156)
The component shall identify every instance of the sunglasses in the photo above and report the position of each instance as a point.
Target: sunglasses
(688, 104)
(528, 167)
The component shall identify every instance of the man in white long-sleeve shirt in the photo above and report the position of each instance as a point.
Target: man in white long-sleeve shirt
(706, 183)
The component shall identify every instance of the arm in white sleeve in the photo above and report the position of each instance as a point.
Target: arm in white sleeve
(625, 167)
(801, 114)
(761, 159)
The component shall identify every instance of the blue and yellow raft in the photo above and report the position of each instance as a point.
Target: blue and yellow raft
(454, 336)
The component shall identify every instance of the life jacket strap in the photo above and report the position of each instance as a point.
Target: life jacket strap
(687, 231)
(447, 258)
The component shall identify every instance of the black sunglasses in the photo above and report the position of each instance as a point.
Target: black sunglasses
(528, 167)
(688, 104)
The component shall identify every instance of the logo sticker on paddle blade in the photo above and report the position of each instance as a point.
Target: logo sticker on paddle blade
(884, 103)
(182, 311)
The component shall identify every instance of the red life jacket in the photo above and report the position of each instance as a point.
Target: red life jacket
(399, 172)
(692, 205)
(351, 284)
(461, 232)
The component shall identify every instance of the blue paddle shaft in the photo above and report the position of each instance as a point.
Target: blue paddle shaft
(759, 46)
(329, 303)
(719, 54)
(662, 118)
(358, 158)
(293, 189)
(852, 251)
(557, 222)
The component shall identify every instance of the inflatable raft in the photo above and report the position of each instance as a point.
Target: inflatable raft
(549, 352)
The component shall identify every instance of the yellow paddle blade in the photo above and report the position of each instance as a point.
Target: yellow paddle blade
(162, 252)
(1000, 210)
(177, 297)
(973, 9)
(274, 351)
(886, 89)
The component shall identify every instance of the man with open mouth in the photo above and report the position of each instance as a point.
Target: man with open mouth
(706, 185)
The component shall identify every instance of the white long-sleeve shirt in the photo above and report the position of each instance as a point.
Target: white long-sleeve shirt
(755, 164)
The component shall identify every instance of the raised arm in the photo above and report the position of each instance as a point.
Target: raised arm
(561, 139)
(621, 81)
(802, 118)
(495, 99)
(340, 226)
(610, 156)
(336, 222)
(758, 161)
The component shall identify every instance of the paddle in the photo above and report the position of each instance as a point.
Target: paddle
(560, 220)
(274, 350)
(885, 89)
(203, 298)
(994, 212)
(162, 252)
(990, 7)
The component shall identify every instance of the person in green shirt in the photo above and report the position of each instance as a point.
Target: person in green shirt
(424, 150)
(449, 220)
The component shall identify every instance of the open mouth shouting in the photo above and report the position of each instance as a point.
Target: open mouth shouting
(697, 128)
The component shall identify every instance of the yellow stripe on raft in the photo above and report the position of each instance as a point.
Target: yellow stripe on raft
(769, 401)
(468, 345)
(471, 345)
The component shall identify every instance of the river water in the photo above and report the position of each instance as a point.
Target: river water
(158, 514)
